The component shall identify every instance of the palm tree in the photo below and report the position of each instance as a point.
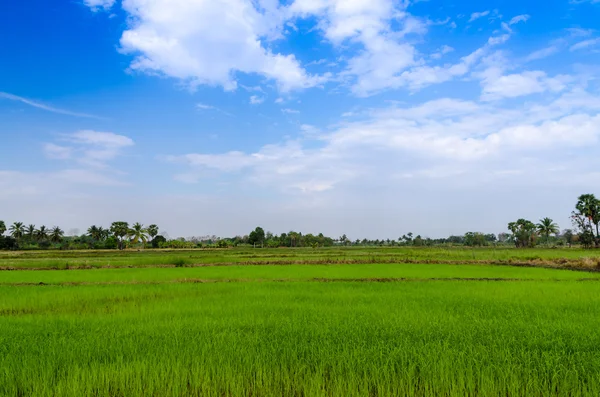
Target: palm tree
(17, 229)
(589, 207)
(56, 234)
(137, 233)
(31, 232)
(93, 232)
(2, 228)
(152, 231)
(41, 234)
(546, 227)
(103, 233)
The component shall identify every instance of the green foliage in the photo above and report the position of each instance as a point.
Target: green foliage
(152, 231)
(257, 236)
(120, 230)
(8, 243)
(473, 239)
(179, 262)
(17, 230)
(157, 241)
(138, 234)
(586, 218)
(523, 233)
(2, 228)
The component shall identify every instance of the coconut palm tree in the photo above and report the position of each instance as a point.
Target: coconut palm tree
(137, 233)
(31, 232)
(93, 232)
(152, 231)
(103, 233)
(546, 227)
(41, 234)
(56, 234)
(17, 230)
(2, 228)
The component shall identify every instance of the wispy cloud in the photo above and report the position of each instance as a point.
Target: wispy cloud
(256, 100)
(203, 106)
(585, 44)
(542, 53)
(290, 111)
(477, 15)
(519, 18)
(42, 106)
(89, 148)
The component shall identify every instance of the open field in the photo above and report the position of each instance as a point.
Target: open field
(152, 258)
(240, 329)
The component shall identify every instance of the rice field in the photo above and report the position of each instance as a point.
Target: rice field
(150, 328)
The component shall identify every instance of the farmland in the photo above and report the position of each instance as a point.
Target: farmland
(336, 321)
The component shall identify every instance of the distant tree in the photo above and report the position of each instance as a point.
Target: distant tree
(103, 233)
(156, 241)
(41, 234)
(546, 227)
(152, 231)
(257, 236)
(17, 230)
(120, 230)
(523, 233)
(8, 243)
(418, 241)
(94, 232)
(569, 236)
(138, 234)
(474, 239)
(586, 218)
(56, 234)
(344, 239)
(2, 228)
(31, 232)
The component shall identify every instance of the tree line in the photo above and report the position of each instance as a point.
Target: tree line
(522, 233)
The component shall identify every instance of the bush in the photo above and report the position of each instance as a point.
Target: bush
(156, 241)
(179, 262)
(8, 243)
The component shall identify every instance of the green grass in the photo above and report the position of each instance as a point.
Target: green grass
(263, 328)
(451, 338)
(291, 272)
(70, 259)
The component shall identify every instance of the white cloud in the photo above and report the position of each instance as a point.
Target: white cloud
(204, 106)
(519, 18)
(443, 50)
(99, 5)
(209, 42)
(57, 152)
(279, 100)
(477, 15)
(579, 32)
(256, 100)
(442, 137)
(584, 1)
(585, 44)
(42, 106)
(542, 53)
(379, 27)
(290, 111)
(497, 86)
(88, 148)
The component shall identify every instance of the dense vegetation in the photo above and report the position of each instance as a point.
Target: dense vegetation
(522, 234)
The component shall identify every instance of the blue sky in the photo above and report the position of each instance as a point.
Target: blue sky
(366, 117)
